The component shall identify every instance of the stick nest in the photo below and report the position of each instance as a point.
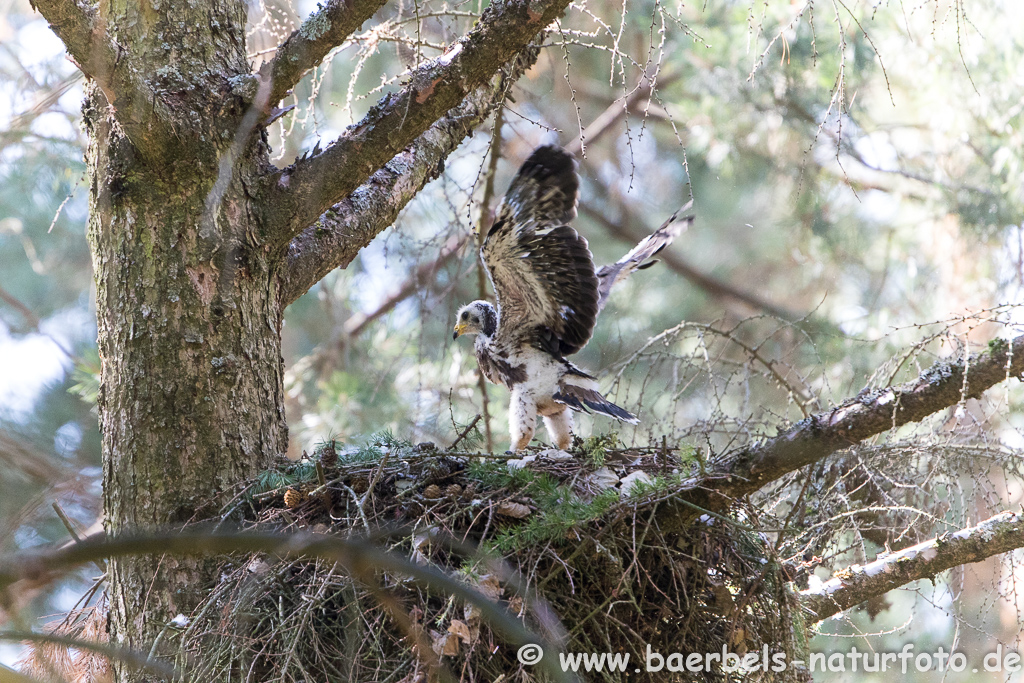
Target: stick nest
(578, 535)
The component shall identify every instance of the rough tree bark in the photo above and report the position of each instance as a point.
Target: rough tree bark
(199, 243)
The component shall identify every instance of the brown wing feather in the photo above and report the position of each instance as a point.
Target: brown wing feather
(544, 192)
(542, 271)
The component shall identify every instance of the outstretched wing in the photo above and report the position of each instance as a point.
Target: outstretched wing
(541, 269)
(637, 258)
(544, 192)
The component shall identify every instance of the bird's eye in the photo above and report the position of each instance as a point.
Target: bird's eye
(465, 315)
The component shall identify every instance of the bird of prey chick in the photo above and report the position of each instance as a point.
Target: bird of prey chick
(548, 297)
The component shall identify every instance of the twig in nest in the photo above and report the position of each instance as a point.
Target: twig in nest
(359, 504)
(375, 479)
(464, 432)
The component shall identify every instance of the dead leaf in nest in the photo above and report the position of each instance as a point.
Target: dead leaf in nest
(472, 614)
(444, 644)
(257, 566)
(723, 599)
(420, 541)
(462, 630)
(511, 509)
(602, 479)
(489, 585)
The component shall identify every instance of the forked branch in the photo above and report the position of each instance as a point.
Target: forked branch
(342, 231)
(305, 48)
(299, 194)
(999, 534)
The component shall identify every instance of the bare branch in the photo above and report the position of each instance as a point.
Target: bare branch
(306, 47)
(714, 287)
(854, 585)
(132, 658)
(748, 469)
(359, 557)
(351, 224)
(83, 32)
(299, 194)
(423, 274)
(616, 111)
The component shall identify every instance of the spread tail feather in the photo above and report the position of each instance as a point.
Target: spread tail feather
(580, 393)
(637, 258)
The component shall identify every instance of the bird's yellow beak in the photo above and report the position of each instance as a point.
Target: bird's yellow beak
(459, 329)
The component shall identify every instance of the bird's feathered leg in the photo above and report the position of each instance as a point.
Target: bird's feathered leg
(559, 428)
(522, 417)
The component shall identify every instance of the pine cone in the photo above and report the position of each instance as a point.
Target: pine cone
(293, 498)
(432, 492)
(453, 490)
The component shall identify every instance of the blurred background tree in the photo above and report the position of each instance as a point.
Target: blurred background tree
(856, 174)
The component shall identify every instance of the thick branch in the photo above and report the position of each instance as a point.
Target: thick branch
(83, 32)
(852, 586)
(301, 193)
(322, 31)
(350, 225)
(747, 470)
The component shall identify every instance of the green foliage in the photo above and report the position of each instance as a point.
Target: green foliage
(495, 474)
(594, 448)
(559, 508)
(86, 377)
(373, 449)
(560, 512)
(292, 474)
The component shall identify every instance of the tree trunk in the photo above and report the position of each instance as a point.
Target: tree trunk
(199, 243)
(189, 312)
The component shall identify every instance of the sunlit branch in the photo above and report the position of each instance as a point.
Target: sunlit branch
(299, 194)
(616, 111)
(351, 224)
(306, 47)
(854, 585)
(750, 468)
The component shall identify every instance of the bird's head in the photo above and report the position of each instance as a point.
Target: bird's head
(478, 317)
